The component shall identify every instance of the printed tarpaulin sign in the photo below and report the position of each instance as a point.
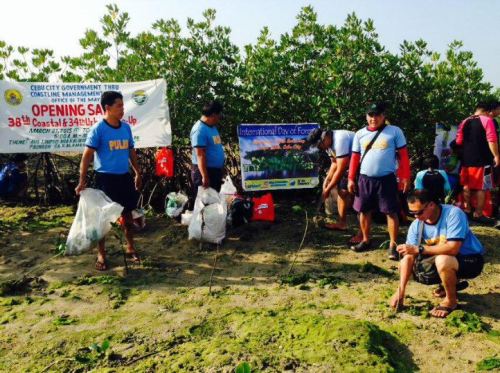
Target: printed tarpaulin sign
(55, 117)
(272, 157)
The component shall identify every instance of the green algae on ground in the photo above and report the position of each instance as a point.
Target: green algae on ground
(103, 280)
(287, 337)
(295, 279)
(466, 321)
(63, 320)
(8, 317)
(114, 286)
(494, 336)
(330, 281)
(35, 218)
(491, 363)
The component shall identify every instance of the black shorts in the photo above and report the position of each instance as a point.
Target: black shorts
(214, 175)
(119, 188)
(470, 266)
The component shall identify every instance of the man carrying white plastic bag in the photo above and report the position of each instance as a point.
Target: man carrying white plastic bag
(93, 220)
(111, 145)
(208, 222)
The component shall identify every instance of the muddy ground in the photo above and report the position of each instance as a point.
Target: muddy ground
(330, 314)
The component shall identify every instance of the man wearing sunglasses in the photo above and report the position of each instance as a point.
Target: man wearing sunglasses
(440, 249)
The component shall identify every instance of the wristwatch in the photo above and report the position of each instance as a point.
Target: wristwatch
(420, 249)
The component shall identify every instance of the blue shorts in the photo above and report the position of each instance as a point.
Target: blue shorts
(377, 193)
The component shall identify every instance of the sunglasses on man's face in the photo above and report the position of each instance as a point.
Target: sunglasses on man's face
(418, 212)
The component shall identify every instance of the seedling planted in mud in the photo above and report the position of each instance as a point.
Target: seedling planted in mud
(100, 349)
(63, 320)
(93, 353)
(243, 367)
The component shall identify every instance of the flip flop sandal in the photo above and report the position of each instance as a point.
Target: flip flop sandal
(440, 293)
(101, 266)
(354, 240)
(483, 220)
(334, 227)
(134, 257)
(362, 246)
(392, 253)
(448, 310)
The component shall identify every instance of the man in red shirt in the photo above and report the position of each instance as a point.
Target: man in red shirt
(478, 137)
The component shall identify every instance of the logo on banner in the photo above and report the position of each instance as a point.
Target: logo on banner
(140, 97)
(13, 97)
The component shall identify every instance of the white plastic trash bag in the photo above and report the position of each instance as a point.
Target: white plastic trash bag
(228, 190)
(92, 221)
(186, 217)
(228, 187)
(175, 204)
(208, 223)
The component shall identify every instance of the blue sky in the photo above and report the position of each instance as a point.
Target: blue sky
(58, 24)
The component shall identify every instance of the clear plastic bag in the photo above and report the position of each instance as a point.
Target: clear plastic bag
(139, 215)
(92, 221)
(228, 190)
(174, 204)
(186, 218)
(228, 187)
(208, 222)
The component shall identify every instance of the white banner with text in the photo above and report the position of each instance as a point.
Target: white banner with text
(55, 117)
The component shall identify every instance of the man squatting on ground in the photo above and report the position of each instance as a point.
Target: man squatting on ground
(208, 153)
(377, 186)
(111, 144)
(337, 144)
(441, 234)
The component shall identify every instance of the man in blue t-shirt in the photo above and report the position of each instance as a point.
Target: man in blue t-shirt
(372, 172)
(433, 180)
(111, 144)
(208, 151)
(440, 248)
(337, 144)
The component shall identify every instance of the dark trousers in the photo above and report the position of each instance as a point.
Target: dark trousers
(214, 175)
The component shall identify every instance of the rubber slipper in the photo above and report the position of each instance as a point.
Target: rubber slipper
(448, 310)
(335, 227)
(101, 266)
(134, 258)
(354, 240)
(362, 246)
(483, 220)
(440, 293)
(392, 253)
